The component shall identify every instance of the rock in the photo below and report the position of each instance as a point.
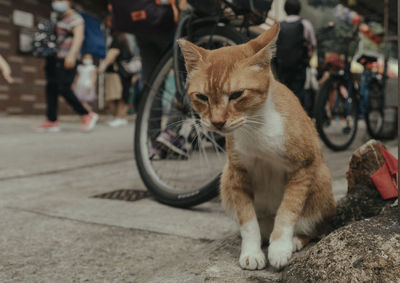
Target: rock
(364, 251)
(360, 202)
(363, 163)
(363, 199)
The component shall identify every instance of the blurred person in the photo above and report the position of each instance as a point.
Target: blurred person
(118, 52)
(135, 94)
(61, 68)
(152, 47)
(5, 70)
(136, 82)
(295, 45)
(153, 41)
(84, 84)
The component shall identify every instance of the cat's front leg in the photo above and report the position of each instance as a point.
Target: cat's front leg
(238, 199)
(281, 240)
(251, 256)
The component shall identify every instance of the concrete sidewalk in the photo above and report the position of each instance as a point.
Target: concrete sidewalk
(52, 229)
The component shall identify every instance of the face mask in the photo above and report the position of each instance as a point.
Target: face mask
(60, 6)
(87, 61)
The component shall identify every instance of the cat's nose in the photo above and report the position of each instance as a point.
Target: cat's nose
(218, 125)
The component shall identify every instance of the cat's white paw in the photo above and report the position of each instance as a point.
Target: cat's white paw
(252, 260)
(280, 252)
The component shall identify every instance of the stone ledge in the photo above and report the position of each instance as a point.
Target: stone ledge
(218, 262)
(364, 251)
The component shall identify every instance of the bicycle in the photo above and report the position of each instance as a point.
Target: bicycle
(340, 102)
(381, 120)
(191, 176)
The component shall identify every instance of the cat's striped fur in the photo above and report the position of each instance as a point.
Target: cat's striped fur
(275, 181)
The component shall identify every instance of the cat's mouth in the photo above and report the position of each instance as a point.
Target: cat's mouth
(227, 129)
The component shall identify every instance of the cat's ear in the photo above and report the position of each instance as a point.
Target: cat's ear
(193, 54)
(264, 46)
(266, 38)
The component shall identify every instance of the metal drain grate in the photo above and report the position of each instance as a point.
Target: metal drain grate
(127, 195)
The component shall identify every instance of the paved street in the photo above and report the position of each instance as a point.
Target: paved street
(52, 229)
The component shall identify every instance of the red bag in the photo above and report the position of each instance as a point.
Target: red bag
(385, 178)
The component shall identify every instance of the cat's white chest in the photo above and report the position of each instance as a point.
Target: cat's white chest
(261, 150)
(262, 137)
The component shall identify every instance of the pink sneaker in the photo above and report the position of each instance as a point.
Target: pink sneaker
(89, 121)
(48, 126)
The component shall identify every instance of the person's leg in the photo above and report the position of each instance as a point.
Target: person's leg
(122, 108)
(122, 104)
(152, 47)
(120, 116)
(51, 101)
(52, 89)
(309, 96)
(72, 100)
(87, 106)
(138, 95)
(66, 91)
(88, 119)
(297, 84)
(112, 106)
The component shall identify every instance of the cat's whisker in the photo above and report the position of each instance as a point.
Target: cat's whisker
(236, 122)
(200, 142)
(177, 123)
(255, 122)
(190, 120)
(213, 141)
(201, 146)
(254, 125)
(255, 118)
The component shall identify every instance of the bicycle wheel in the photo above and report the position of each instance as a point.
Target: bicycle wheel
(190, 174)
(336, 114)
(374, 115)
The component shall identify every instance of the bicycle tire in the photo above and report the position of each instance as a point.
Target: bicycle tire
(375, 110)
(320, 116)
(160, 191)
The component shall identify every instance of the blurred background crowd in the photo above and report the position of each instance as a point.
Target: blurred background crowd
(100, 83)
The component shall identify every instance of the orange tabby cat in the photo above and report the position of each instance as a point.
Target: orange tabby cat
(275, 180)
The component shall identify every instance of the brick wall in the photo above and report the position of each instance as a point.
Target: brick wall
(27, 94)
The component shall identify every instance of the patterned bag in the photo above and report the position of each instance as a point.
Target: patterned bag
(44, 40)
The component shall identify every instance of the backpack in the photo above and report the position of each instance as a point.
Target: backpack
(291, 51)
(141, 16)
(95, 41)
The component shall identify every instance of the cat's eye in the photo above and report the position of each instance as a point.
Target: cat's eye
(202, 97)
(235, 95)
